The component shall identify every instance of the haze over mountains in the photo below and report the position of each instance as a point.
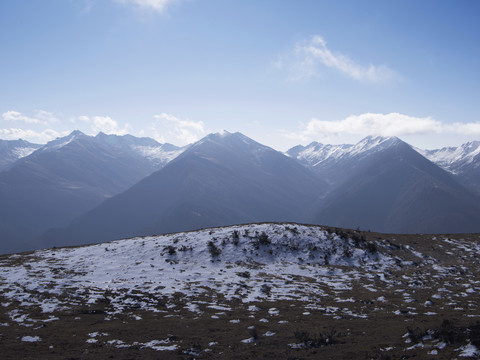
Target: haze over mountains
(223, 179)
(67, 177)
(82, 189)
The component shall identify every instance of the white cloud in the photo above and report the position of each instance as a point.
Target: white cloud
(104, 124)
(392, 124)
(314, 53)
(12, 115)
(472, 128)
(169, 128)
(41, 117)
(155, 5)
(45, 116)
(31, 135)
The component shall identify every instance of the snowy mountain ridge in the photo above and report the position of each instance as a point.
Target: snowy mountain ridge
(317, 154)
(157, 153)
(13, 150)
(454, 158)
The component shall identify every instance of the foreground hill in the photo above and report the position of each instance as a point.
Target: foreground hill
(223, 179)
(249, 291)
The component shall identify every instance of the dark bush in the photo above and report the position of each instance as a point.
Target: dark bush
(450, 334)
(214, 250)
(171, 250)
(263, 239)
(266, 289)
(322, 339)
(371, 247)
(235, 237)
(475, 335)
(244, 274)
(254, 333)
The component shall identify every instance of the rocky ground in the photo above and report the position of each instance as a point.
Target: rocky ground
(280, 291)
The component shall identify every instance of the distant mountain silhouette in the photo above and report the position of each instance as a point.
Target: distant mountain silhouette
(222, 179)
(67, 177)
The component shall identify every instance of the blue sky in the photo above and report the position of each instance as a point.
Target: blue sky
(282, 72)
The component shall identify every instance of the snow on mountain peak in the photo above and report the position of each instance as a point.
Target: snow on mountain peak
(223, 133)
(235, 141)
(316, 153)
(454, 159)
(62, 141)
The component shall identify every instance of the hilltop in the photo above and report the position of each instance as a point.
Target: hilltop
(275, 290)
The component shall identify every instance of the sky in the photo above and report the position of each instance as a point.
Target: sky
(282, 72)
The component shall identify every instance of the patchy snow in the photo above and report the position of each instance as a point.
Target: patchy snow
(21, 152)
(31, 338)
(248, 341)
(161, 154)
(118, 269)
(175, 275)
(160, 345)
(469, 351)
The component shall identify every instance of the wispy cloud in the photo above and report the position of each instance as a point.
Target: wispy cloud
(40, 117)
(169, 128)
(310, 56)
(471, 128)
(392, 124)
(104, 124)
(155, 5)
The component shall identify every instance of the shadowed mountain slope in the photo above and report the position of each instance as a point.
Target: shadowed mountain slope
(222, 179)
(393, 188)
(65, 178)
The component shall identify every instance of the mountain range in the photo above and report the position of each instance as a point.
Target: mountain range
(82, 189)
(386, 185)
(67, 177)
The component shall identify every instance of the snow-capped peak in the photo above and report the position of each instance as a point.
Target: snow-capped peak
(373, 142)
(231, 140)
(316, 153)
(62, 141)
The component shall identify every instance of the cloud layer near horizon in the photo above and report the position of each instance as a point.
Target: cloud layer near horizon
(391, 124)
(170, 128)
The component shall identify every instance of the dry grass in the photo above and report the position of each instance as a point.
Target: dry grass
(373, 319)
